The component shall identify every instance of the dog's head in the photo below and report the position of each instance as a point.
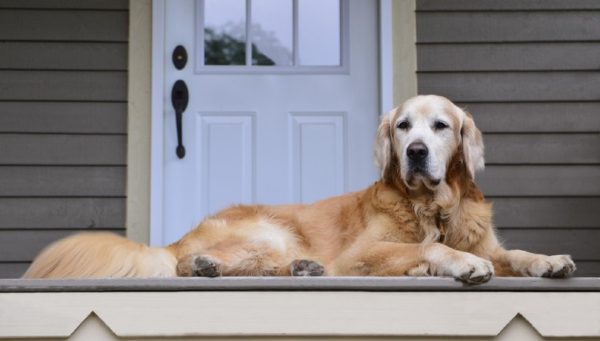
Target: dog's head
(419, 140)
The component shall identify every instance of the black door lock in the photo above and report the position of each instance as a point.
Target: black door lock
(179, 99)
(179, 57)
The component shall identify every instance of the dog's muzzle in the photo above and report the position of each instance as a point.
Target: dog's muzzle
(417, 153)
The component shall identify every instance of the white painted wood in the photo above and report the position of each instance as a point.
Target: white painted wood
(93, 328)
(226, 162)
(404, 38)
(157, 127)
(277, 69)
(386, 53)
(297, 313)
(317, 138)
(138, 123)
(181, 188)
(519, 329)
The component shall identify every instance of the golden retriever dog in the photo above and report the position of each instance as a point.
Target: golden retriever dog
(424, 217)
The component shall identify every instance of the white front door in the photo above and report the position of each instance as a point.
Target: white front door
(283, 104)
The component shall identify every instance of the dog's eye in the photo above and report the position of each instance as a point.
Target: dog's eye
(439, 125)
(403, 125)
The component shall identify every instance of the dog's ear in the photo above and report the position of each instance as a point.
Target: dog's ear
(383, 145)
(472, 145)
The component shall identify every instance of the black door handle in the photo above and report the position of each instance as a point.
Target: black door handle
(179, 99)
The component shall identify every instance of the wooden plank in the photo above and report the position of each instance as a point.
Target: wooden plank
(512, 86)
(63, 213)
(490, 57)
(504, 180)
(546, 212)
(64, 25)
(13, 270)
(24, 245)
(325, 283)
(18, 181)
(66, 4)
(63, 56)
(45, 149)
(63, 85)
(535, 117)
(63, 117)
(445, 27)
(542, 148)
(490, 5)
(579, 243)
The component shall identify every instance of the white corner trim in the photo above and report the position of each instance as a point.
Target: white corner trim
(157, 130)
(386, 61)
(404, 45)
(138, 122)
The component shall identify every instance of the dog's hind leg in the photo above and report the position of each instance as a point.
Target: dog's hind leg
(247, 261)
(252, 245)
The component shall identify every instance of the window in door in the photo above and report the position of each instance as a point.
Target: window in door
(271, 36)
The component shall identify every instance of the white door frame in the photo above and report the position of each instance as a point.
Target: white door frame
(159, 99)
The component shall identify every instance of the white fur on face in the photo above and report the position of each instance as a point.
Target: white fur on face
(422, 113)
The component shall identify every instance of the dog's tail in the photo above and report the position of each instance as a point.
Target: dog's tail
(93, 255)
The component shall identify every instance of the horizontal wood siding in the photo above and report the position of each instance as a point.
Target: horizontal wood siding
(505, 5)
(528, 72)
(25, 55)
(557, 117)
(62, 149)
(108, 86)
(62, 213)
(67, 4)
(521, 210)
(63, 123)
(510, 57)
(64, 25)
(63, 117)
(24, 181)
(26, 244)
(507, 26)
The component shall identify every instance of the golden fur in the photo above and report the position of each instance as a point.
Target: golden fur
(400, 225)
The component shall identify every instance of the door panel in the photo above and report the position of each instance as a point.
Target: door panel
(318, 147)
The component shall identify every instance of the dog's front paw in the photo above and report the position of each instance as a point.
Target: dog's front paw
(559, 266)
(472, 269)
(306, 267)
(205, 266)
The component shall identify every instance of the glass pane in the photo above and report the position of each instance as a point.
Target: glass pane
(319, 32)
(272, 37)
(224, 32)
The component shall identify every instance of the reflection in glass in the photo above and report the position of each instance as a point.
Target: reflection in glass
(319, 32)
(272, 32)
(224, 32)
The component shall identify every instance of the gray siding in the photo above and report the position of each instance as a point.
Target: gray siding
(528, 71)
(63, 123)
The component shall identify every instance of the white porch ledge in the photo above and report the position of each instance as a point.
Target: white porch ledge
(300, 307)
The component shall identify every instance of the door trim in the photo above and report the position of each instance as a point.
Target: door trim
(397, 80)
(137, 204)
(158, 106)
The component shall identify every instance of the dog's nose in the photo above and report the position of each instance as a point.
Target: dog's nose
(417, 151)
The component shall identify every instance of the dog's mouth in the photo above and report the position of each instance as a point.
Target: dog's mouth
(418, 176)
